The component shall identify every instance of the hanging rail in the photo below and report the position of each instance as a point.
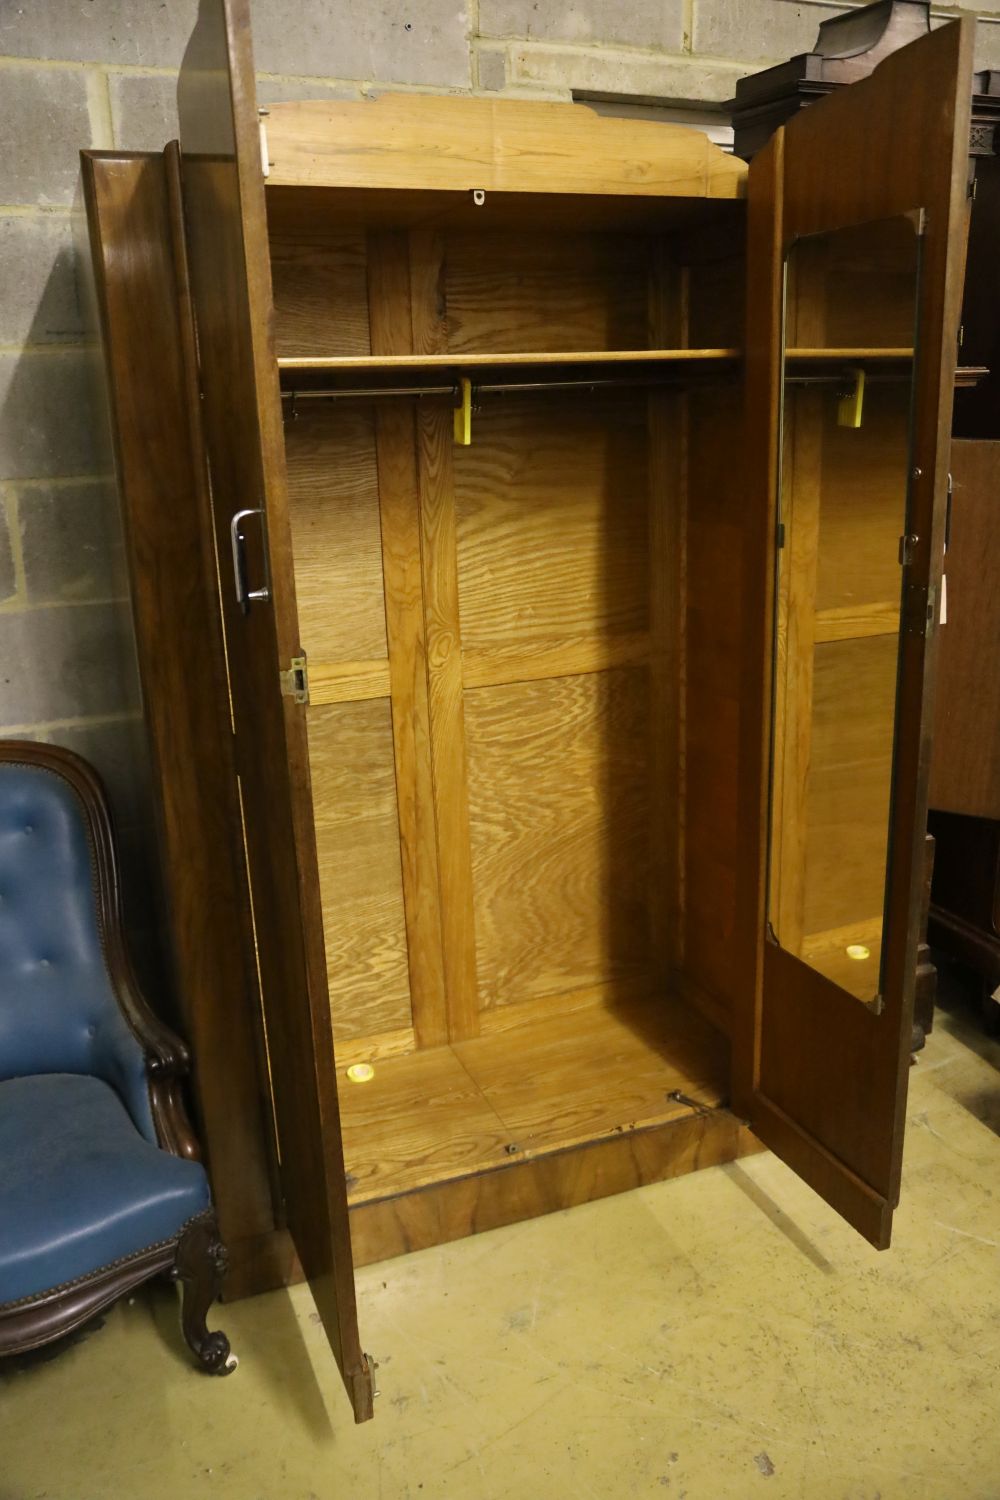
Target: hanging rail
(839, 379)
(486, 387)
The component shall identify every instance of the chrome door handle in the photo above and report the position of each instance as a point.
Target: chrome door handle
(244, 596)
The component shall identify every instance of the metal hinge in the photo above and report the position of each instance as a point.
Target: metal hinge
(295, 682)
(918, 609)
(700, 1107)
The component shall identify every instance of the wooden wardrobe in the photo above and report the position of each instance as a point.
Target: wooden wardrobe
(534, 522)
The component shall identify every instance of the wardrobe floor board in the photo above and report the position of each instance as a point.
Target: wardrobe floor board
(548, 1085)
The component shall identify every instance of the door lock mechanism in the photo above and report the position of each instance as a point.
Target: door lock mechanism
(907, 548)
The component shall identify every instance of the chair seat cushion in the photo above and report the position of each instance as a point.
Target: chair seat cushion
(79, 1186)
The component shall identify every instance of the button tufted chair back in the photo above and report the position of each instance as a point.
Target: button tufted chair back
(58, 1011)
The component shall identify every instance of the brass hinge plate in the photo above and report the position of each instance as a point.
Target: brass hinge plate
(295, 682)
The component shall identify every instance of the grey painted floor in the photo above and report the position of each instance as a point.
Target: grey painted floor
(718, 1337)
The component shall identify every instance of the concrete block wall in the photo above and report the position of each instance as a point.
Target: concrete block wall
(103, 74)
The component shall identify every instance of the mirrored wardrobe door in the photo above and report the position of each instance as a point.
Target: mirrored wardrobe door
(855, 247)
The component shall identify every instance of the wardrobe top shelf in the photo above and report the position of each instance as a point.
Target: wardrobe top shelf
(496, 361)
(457, 361)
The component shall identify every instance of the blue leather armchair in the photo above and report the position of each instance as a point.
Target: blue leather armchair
(100, 1183)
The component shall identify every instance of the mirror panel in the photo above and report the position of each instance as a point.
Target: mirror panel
(849, 345)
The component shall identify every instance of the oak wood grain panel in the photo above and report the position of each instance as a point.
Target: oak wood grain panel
(421, 1119)
(715, 256)
(569, 1079)
(392, 264)
(357, 837)
(849, 621)
(965, 766)
(551, 503)
(389, 313)
(545, 1184)
(548, 1084)
(439, 556)
(545, 292)
(374, 1047)
(857, 974)
(410, 141)
(863, 283)
(320, 293)
(428, 292)
(668, 453)
(712, 689)
(798, 565)
(348, 681)
(340, 209)
(667, 419)
(838, 573)
(333, 499)
(530, 661)
(667, 287)
(863, 478)
(610, 994)
(846, 813)
(411, 723)
(558, 799)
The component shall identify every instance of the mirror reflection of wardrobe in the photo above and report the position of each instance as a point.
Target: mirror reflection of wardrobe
(849, 339)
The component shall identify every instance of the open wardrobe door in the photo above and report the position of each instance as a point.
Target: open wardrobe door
(857, 219)
(228, 263)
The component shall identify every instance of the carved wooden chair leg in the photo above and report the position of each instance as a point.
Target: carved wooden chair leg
(201, 1265)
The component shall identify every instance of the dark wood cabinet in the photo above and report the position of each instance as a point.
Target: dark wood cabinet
(548, 650)
(965, 776)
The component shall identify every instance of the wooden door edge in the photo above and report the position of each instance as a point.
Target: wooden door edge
(854, 1200)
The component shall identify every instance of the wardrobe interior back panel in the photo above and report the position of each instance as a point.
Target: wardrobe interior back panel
(559, 292)
(320, 286)
(553, 567)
